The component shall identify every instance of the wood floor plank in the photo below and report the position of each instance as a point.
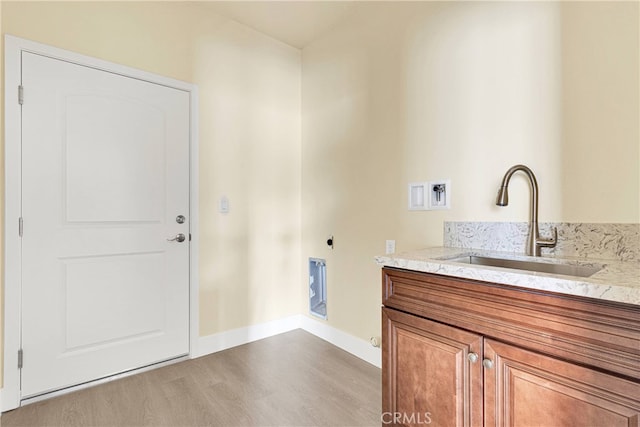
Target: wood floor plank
(291, 379)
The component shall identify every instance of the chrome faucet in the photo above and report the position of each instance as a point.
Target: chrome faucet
(534, 241)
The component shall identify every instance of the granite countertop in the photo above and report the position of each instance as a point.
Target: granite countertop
(617, 281)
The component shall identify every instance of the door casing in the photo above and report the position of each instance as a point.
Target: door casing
(14, 46)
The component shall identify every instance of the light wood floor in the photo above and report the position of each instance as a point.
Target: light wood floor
(292, 379)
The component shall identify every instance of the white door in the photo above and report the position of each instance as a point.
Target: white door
(105, 174)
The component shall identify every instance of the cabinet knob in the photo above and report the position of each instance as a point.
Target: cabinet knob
(487, 363)
(473, 357)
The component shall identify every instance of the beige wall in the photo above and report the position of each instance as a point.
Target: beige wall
(250, 152)
(249, 87)
(419, 91)
(601, 131)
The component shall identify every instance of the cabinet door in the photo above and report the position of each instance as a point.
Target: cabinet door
(524, 388)
(426, 373)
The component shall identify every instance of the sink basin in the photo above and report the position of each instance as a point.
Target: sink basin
(541, 267)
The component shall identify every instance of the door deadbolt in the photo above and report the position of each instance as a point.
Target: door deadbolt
(180, 219)
(179, 238)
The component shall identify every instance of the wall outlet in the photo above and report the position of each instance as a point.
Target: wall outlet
(390, 247)
(439, 192)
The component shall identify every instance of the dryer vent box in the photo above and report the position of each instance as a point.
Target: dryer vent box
(318, 287)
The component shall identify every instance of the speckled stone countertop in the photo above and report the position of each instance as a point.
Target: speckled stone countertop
(617, 281)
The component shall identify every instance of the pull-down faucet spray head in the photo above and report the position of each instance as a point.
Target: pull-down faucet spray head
(503, 196)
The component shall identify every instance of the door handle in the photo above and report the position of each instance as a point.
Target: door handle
(179, 238)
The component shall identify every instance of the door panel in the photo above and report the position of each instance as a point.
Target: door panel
(429, 379)
(96, 287)
(101, 160)
(526, 388)
(105, 173)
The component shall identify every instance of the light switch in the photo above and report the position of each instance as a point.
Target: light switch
(223, 205)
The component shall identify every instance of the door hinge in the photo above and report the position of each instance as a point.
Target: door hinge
(20, 359)
(189, 236)
(20, 95)
(20, 226)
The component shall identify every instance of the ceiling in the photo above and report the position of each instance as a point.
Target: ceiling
(296, 23)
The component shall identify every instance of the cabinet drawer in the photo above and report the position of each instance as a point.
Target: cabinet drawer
(600, 334)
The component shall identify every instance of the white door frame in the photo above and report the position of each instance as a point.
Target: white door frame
(14, 46)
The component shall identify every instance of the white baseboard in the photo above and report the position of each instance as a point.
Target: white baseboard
(356, 346)
(235, 337)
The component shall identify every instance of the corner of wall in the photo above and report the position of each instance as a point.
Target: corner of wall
(356, 346)
(233, 338)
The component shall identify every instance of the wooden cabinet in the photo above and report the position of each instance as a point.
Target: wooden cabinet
(466, 353)
(426, 374)
(526, 388)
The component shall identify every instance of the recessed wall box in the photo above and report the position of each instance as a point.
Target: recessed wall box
(318, 287)
(439, 194)
(418, 196)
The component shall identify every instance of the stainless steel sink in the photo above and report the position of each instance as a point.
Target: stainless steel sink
(541, 267)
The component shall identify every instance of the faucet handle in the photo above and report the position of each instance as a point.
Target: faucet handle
(549, 243)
